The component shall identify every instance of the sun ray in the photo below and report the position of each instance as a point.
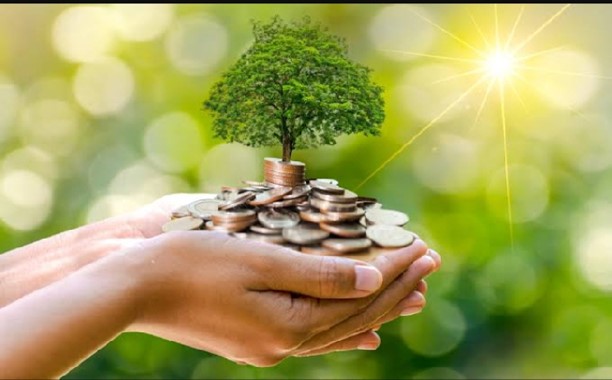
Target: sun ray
(441, 57)
(516, 22)
(420, 132)
(496, 28)
(527, 57)
(460, 75)
(518, 96)
(502, 102)
(563, 72)
(484, 38)
(541, 28)
(482, 104)
(451, 34)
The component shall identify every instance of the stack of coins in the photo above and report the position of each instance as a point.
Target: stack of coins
(314, 217)
(278, 172)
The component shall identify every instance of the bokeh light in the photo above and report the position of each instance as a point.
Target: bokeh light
(83, 33)
(101, 114)
(196, 44)
(173, 142)
(104, 87)
(141, 22)
(396, 28)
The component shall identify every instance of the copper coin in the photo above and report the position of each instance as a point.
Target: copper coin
(347, 197)
(347, 230)
(238, 201)
(337, 217)
(257, 228)
(312, 216)
(326, 206)
(229, 227)
(287, 203)
(270, 196)
(347, 245)
(305, 234)
(233, 216)
(186, 223)
(298, 192)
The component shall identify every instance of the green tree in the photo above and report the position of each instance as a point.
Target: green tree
(294, 86)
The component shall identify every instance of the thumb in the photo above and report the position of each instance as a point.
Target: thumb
(323, 276)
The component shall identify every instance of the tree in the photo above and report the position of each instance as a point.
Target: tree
(295, 86)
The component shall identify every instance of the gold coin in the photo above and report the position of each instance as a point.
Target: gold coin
(390, 217)
(347, 230)
(347, 245)
(389, 236)
(304, 234)
(186, 223)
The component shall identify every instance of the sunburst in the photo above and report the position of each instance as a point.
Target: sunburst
(499, 65)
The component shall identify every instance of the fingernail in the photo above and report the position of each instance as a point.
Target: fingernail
(426, 262)
(367, 278)
(411, 310)
(435, 256)
(370, 344)
(415, 298)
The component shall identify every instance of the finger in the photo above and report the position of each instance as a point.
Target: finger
(326, 313)
(411, 305)
(368, 340)
(436, 257)
(422, 287)
(320, 276)
(384, 303)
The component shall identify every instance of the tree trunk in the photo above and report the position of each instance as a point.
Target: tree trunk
(287, 148)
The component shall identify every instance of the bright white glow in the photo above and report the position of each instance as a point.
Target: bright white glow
(142, 22)
(104, 87)
(83, 33)
(500, 64)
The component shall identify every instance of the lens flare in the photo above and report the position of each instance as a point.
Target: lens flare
(500, 64)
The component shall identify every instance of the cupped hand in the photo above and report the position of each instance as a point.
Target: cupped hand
(258, 303)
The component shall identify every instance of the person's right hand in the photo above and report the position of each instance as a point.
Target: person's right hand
(257, 303)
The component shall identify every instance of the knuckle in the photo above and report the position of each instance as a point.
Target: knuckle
(331, 277)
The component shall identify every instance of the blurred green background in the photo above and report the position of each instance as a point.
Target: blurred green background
(100, 112)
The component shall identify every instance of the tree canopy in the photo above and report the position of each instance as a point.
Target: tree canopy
(295, 86)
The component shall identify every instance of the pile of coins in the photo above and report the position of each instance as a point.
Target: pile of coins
(312, 216)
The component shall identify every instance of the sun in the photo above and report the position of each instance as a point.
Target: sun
(500, 64)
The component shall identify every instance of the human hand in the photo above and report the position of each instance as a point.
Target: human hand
(257, 303)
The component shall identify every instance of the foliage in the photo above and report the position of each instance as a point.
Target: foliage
(295, 86)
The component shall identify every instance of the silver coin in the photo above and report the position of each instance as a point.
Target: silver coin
(326, 188)
(265, 230)
(204, 208)
(186, 223)
(347, 230)
(382, 216)
(347, 197)
(388, 236)
(305, 234)
(278, 218)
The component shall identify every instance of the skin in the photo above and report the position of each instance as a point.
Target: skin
(250, 302)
